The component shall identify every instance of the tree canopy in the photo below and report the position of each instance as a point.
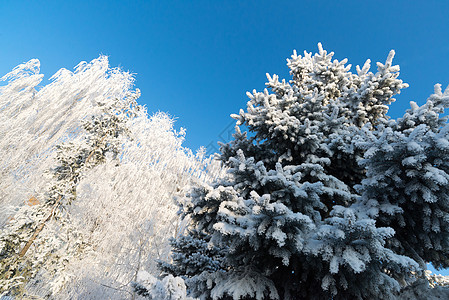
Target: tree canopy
(87, 183)
(326, 197)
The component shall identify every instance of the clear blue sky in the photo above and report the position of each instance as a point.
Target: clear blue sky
(196, 59)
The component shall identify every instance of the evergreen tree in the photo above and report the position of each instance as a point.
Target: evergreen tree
(320, 198)
(169, 288)
(406, 185)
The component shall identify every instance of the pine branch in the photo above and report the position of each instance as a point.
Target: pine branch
(96, 148)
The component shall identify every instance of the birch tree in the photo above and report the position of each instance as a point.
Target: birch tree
(88, 180)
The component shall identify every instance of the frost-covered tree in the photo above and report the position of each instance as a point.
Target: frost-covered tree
(326, 197)
(407, 180)
(128, 209)
(38, 236)
(87, 183)
(60, 241)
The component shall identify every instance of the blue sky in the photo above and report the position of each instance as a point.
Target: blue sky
(196, 59)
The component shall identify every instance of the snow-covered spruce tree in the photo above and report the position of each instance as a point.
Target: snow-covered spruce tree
(407, 180)
(169, 288)
(326, 198)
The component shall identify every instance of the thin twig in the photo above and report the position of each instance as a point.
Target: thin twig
(120, 290)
